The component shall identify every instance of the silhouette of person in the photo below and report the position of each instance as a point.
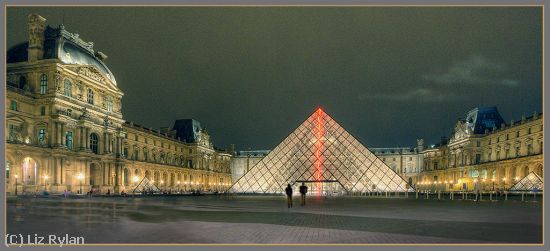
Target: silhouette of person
(288, 192)
(303, 191)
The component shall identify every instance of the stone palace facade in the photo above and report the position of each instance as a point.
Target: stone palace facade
(65, 128)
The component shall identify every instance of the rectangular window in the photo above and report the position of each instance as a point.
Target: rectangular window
(109, 103)
(43, 111)
(478, 158)
(7, 169)
(136, 137)
(478, 143)
(68, 89)
(90, 96)
(43, 84)
(13, 105)
(13, 131)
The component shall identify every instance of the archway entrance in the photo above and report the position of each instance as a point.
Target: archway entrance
(95, 175)
(29, 172)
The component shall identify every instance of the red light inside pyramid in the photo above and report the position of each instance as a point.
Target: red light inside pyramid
(319, 148)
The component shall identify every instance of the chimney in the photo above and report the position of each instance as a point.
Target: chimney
(36, 25)
(420, 144)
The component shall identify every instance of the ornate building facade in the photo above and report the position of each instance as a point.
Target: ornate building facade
(484, 153)
(65, 128)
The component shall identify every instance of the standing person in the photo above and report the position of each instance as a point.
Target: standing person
(303, 191)
(288, 192)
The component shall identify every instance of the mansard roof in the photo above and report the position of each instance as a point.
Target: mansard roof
(68, 47)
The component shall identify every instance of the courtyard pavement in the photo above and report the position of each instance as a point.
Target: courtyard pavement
(266, 219)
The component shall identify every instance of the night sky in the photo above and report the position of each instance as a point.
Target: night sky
(251, 75)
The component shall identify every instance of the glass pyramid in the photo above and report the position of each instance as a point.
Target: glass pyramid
(532, 180)
(147, 186)
(325, 156)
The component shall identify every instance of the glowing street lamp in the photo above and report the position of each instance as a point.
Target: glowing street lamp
(504, 180)
(80, 177)
(179, 190)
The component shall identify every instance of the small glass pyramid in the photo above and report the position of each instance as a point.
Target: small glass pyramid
(528, 183)
(146, 185)
(324, 156)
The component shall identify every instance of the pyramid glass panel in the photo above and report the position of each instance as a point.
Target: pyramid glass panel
(324, 155)
(528, 183)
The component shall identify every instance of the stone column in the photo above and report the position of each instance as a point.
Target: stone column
(63, 134)
(56, 129)
(105, 143)
(118, 175)
(87, 137)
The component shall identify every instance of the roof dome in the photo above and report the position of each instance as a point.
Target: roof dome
(65, 46)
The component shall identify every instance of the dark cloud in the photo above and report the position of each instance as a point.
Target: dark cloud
(251, 75)
(475, 70)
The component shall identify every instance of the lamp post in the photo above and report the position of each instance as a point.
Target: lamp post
(16, 176)
(179, 190)
(493, 180)
(80, 177)
(504, 180)
(45, 182)
(162, 184)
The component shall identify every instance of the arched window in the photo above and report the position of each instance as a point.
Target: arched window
(90, 96)
(94, 139)
(41, 136)
(43, 84)
(68, 90)
(69, 140)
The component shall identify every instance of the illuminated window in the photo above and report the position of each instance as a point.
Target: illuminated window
(7, 169)
(41, 136)
(69, 140)
(43, 84)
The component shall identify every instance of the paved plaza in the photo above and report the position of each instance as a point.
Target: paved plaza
(266, 219)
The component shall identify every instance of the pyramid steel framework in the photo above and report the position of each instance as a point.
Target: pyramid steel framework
(532, 180)
(320, 151)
